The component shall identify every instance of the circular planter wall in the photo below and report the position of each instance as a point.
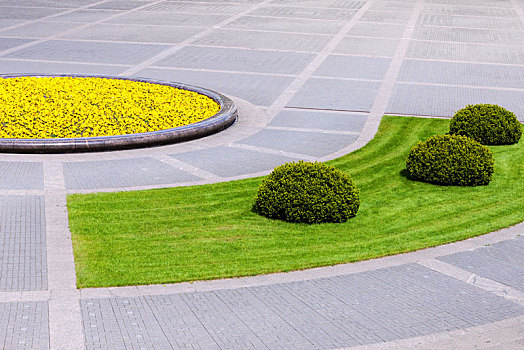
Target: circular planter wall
(220, 121)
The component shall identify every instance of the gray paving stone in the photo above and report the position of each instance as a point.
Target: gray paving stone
(469, 35)
(121, 324)
(392, 6)
(196, 7)
(93, 52)
(10, 22)
(492, 3)
(260, 90)
(285, 25)
(341, 4)
(238, 60)
(319, 120)
(305, 12)
(27, 13)
(265, 40)
(122, 173)
(367, 46)
(385, 17)
(134, 33)
(119, 5)
(470, 22)
(456, 73)
(502, 262)
(345, 95)
(66, 4)
(353, 67)
(169, 19)
(466, 52)
(27, 67)
(416, 99)
(83, 16)
(230, 161)
(385, 30)
(21, 175)
(8, 43)
(370, 307)
(24, 325)
(40, 29)
(307, 143)
(23, 264)
(476, 11)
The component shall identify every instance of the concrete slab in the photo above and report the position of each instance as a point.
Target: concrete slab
(309, 119)
(168, 19)
(265, 40)
(355, 67)
(223, 59)
(8, 43)
(92, 52)
(39, 67)
(385, 30)
(459, 73)
(279, 24)
(305, 12)
(39, 29)
(134, 33)
(122, 173)
(413, 99)
(261, 90)
(367, 46)
(467, 52)
(231, 161)
(344, 95)
(502, 262)
(307, 143)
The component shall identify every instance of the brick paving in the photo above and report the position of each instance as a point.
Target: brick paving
(311, 80)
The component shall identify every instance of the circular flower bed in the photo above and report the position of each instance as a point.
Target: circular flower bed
(64, 107)
(89, 113)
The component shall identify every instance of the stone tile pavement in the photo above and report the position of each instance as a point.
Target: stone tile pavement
(311, 80)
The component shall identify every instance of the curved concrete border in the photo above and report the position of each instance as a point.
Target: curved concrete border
(220, 121)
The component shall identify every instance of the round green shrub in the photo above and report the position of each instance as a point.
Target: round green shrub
(307, 192)
(451, 160)
(487, 124)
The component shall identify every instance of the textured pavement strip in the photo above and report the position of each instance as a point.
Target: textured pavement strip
(493, 332)
(65, 320)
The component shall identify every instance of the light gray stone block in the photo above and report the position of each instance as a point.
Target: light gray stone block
(355, 67)
(257, 61)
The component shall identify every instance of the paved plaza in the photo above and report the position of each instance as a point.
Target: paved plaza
(311, 80)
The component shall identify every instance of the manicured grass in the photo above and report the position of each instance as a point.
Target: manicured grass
(206, 232)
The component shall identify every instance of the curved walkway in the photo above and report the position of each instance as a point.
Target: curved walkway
(311, 80)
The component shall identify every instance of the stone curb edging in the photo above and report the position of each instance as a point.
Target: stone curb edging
(226, 117)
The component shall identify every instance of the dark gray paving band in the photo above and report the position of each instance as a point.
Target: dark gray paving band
(23, 262)
(322, 314)
(226, 116)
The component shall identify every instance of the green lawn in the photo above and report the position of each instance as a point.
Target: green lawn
(206, 232)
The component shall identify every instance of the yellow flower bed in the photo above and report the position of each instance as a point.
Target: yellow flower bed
(64, 107)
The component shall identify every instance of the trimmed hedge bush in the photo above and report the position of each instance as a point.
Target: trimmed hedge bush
(450, 160)
(487, 124)
(307, 192)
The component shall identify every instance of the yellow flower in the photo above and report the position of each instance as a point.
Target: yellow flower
(60, 107)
